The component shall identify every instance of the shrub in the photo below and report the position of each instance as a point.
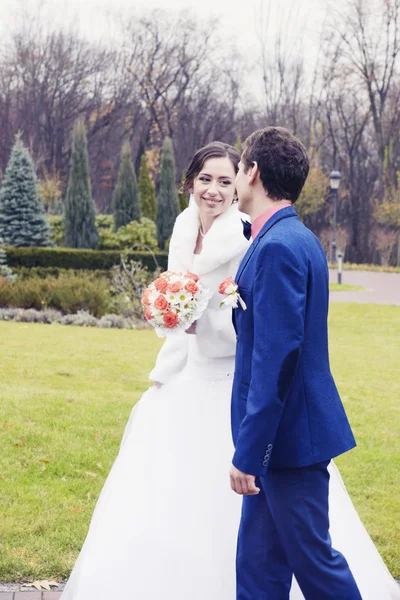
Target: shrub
(56, 272)
(130, 279)
(57, 229)
(136, 234)
(68, 294)
(5, 270)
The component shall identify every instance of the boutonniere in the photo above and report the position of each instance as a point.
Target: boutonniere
(229, 289)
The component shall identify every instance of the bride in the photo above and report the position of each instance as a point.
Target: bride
(165, 524)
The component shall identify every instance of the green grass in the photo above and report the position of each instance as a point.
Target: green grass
(345, 287)
(366, 267)
(66, 394)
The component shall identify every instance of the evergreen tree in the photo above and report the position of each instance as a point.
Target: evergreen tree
(167, 201)
(147, 192)
(125, 203)
(5, 270)
(23, 220)
(80, 211)
(183, 197)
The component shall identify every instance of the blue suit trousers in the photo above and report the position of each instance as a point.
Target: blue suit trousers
(284, 531)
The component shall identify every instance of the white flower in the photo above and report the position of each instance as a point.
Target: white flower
(231, 301)
(231, 289)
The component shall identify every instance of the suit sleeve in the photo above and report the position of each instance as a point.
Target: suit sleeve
(279, 306)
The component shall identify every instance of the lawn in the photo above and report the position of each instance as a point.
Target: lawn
(66, 394)
(345, 287)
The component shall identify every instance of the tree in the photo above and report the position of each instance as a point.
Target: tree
(370, 45)
(183, 196)
(125, 203)
(238, 143)
(167, 201)
(147, 192)
(50, 189)
(80, 212)
(23, 220)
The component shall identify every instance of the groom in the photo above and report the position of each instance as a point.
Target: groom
(287, 418)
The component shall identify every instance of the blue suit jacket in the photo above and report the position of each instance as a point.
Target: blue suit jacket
(286, 411)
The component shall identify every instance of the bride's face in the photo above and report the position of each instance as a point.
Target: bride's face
(214, 187)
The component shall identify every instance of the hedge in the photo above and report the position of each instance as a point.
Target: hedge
(68, 258)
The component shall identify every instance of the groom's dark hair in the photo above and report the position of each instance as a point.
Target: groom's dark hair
(282, 160)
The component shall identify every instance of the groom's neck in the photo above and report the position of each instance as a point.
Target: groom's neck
(263, 203)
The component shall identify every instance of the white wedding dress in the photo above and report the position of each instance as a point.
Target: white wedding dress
(165, 525)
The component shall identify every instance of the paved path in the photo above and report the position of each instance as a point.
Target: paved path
(380, 288)
(32, 595)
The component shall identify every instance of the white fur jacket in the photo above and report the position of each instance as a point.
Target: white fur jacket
(224, 246)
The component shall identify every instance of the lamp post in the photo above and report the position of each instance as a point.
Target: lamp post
(334, 180)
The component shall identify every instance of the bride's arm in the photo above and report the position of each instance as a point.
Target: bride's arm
(173, 355)
(171, 359)
(216, 337)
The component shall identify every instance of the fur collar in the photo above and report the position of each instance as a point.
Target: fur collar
(222, 243)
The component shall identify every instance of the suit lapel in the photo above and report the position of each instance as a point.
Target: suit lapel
(284, 213)
(247, 257)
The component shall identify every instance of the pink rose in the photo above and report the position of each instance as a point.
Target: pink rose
(175, 287)
(161, 303)
(192, 287)
(161, 285)
(171, 320)
(225, 284)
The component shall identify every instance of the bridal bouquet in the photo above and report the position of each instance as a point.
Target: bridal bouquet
(174, 301)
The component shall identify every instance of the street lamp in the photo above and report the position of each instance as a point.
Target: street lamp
(334, 180)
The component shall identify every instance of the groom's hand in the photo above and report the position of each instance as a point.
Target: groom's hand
(242, 483)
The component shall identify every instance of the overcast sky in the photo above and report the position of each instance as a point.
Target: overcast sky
(240, 21)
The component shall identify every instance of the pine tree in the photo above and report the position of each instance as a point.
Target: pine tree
(80, 211)
(183, 197)
(23, 220)
(147, 193)
(125, 201)
(5, 270)
(167, 201)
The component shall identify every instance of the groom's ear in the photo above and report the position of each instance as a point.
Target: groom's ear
(254, 173)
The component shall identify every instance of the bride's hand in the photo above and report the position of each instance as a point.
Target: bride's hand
(192, 329)
(157, 384)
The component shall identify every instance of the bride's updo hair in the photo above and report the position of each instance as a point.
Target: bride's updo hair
(212, 150)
